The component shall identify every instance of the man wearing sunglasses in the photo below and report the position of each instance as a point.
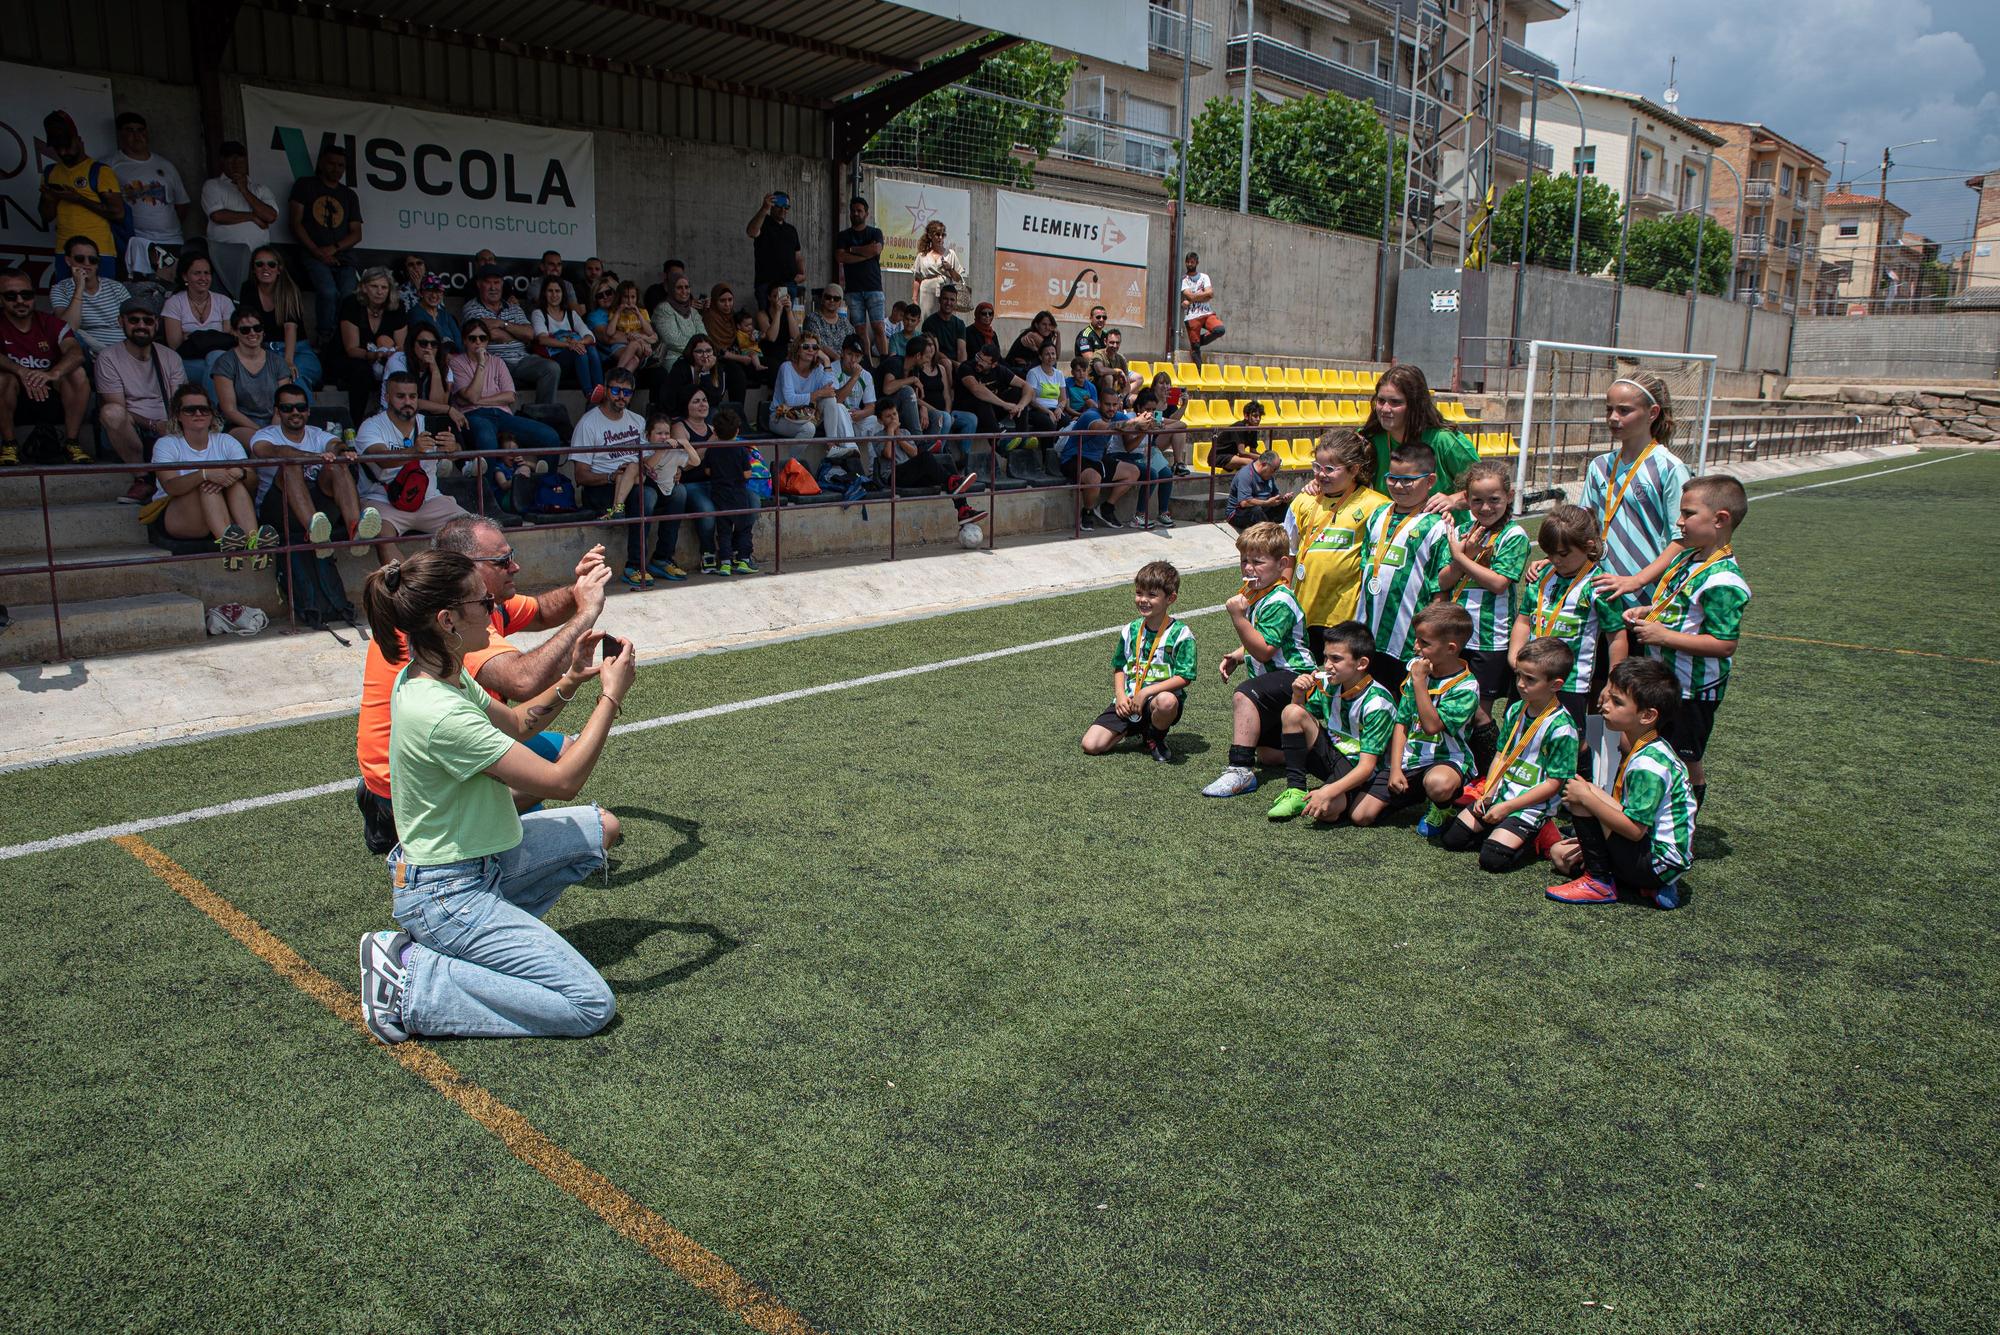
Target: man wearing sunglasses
(135, 379)
(418, 505)
(41, 371)
(315, 474)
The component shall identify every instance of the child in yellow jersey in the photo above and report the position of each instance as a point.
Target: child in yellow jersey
(1324, 524)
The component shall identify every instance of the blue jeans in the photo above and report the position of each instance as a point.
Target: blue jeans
(865, 308)
(688, 498)
(308, 363)
(330, 286)
(484, 425)
(640, 502)
(584, 364)
(956, 422)
(1157, 469)
(485, 965)
(201, 371)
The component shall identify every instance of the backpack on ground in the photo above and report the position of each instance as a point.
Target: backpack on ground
(312, 585)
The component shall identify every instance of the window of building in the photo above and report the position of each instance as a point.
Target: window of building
(1784, 180)
(1780, 231)
(1850, 228)
(1583, 160)
(1148, 152)
(1338, 50)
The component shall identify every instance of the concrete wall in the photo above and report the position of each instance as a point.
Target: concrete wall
(1941, 346)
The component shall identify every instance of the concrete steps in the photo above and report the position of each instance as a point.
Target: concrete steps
(72, 525)
(17, 490)
(18, 588)
(143, 622)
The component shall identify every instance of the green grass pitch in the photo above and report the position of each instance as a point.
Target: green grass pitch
(929, 1023)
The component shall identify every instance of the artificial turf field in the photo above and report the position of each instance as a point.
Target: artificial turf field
(930, 1023)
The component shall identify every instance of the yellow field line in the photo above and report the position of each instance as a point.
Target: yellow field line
(1871, 648)
(665, 1243)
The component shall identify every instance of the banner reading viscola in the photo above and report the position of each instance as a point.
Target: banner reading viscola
(1064, 257)
(434, 182)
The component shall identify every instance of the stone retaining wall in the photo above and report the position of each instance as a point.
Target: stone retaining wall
(1937, 417)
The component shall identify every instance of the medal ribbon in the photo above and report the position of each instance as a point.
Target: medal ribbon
(1617, 489)
(1687, 577)
(1618, 784)
(1517, 745)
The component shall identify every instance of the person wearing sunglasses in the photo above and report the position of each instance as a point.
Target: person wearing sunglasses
(42, 383)
(614, 473)
(482, 390)
(207, 502)
(135, 380)
(473, 878)
(427, 359)
(405, 491)
(277, 301)
(245, 382)
(88, 301)
(828, 323)
(429, 310)
(807, 396)
(315, 474)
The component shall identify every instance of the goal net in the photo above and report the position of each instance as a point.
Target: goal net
(1562, 411)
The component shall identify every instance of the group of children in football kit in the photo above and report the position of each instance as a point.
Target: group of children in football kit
(1404, 649)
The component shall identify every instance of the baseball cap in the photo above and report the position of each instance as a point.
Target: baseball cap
(489, 271)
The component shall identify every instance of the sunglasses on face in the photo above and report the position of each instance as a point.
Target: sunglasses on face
(808, 347)
(292, 407)
(618, 391)
(195, 409)
(140, 321)
(250, 331)
(1405, 479)
(17, 296)
(501, 561)
(426, 343)
(83, 259)
(487, 601)
(264, 264)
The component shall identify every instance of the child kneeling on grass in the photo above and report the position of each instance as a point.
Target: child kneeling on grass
(1511, 816)
(1272, 627)
(1337, 726)
(1150, 669)
(1430, 752)
(1639, 837)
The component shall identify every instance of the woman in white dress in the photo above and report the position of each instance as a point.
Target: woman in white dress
(936, 264)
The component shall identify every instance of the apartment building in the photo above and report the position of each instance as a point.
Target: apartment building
(1979, 265)
(1871, 267)
(1776, 216)
(1662, 154)
(1124, 122)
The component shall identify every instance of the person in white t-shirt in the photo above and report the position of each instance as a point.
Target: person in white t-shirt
(159, 201)
(615, 471)
(240, 212)
(207, 502)
(857, 396)
(414, 507)
(1204, 326)
(1048, 411)
(314, 473)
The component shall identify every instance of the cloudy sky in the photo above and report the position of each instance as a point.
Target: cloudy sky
(1872, 72)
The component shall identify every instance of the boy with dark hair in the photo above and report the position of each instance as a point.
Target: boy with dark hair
(1404, 550)
(1564, 602)
(1150, 669)
(1694, 615)
(1489, 551)
(728, 464)
(1430, 752)
(1639, 837)
(1537, 756)
(1272, 628)
(1337, 726)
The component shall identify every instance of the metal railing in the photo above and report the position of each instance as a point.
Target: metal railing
(1563, 446)
(1523, 149)
(1517, 57)
(1321, 74)
(1794, 252)
(1164, 34)
(1758, 188)
(1123, 149)
(1753, 243)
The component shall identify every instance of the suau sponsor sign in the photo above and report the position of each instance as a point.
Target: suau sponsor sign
(432, 182)
(1054, 255)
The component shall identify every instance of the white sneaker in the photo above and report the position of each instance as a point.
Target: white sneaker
(382, 979)
(369, 525)
(1232, 782)
(320, 530)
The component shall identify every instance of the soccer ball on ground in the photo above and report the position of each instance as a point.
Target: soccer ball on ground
(971, 537)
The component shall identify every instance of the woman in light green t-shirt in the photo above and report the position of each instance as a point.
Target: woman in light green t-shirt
(472, 878)
(1403, 410)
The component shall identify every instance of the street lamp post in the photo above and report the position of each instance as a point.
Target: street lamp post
(1882, 215)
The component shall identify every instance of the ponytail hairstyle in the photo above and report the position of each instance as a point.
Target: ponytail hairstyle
(1658, 396)
(403, 599)
(1422, 413)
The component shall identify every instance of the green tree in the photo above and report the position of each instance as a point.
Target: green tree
(1659, 253)
(1553, 208)
(1315, 160)
(972, 128)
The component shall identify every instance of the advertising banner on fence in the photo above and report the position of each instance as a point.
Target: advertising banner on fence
(1054, 255)
(904, 208)
(434, 183)
(27, 95)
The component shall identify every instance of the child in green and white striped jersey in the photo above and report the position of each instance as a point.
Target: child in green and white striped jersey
(1403, 551)
(1151, 668)
(1692, 618)
(1338, 725)
(1524, 781)
(1634, 491)
(1429, 753)
(1639, 837)
(1488, 553)
(1564, 603)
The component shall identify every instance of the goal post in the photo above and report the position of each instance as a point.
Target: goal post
(1562, 408)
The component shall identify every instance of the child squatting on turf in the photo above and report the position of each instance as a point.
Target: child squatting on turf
(1337, 726)
(1272, 628)
(1512, 815)
(1637, 839)
(1151, 668)
(1694, 614)
(1430, 752)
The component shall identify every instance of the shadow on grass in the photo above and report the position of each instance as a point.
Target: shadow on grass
(611, 941)
(690, 846)
(1711, 843)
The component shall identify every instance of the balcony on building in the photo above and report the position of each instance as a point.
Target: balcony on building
(1753, 243)
(1118, 149)
(1165, 35)
(1655, 195)
(1758, 189)
(1520, 59)
(1794, 253)
(1514, 144)
(1302, 69)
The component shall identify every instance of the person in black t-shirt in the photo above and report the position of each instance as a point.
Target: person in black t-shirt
(860, 256)
(326, 218)
(946, 328)
(779, 261)
(657, 293)
(991, 392)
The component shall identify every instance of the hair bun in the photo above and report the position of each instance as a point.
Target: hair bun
(392, 575)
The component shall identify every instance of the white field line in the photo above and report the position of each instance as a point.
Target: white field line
(1880, 472)
(243, 804)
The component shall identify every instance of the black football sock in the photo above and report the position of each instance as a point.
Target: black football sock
(1243, 757)
(1295, 759)
(1485, 739)
(1700, 794)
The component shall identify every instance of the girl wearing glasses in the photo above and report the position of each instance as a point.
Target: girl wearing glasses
(246, 381)
(207, 502)
(271, 293)
(472, 878)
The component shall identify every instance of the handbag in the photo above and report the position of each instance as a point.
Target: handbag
(409, 487)
(204, 341)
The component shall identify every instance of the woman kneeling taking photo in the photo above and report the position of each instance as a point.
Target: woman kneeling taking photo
(473, 878)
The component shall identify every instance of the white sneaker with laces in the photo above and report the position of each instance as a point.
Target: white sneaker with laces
(1232, 782)
(382, 980)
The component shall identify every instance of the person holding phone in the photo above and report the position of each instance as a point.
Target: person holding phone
(779, 260)
(472, 876)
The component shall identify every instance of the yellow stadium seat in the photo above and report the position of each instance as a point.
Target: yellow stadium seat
(1186, 374)
(1196, 412)
(1274, 376)
(1211, 376)
(1315, 379)
(1144, 370)
(1329, 410)
(1232, 376)
(1294, 378)
(1253, 378)
(1282, 413)
(1200, 453)
(1302, 451)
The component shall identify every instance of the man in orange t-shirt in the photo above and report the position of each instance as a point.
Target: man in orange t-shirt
(544, 675)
